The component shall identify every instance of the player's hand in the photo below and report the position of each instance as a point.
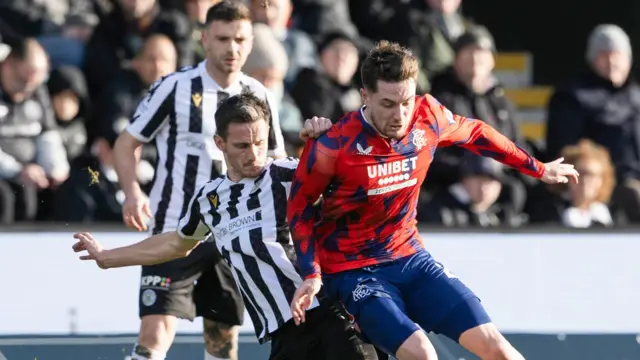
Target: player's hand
(314, 127)
(134, 209)
(303, 298)
(87, 243)
(556, 172)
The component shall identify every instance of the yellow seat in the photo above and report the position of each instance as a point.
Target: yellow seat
(533, 130)
(531, 97)
(512, 61)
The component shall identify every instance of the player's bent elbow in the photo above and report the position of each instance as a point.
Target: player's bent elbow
(181, 247)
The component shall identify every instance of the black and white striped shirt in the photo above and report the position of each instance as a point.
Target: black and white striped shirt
(248, 221)
(179, 113)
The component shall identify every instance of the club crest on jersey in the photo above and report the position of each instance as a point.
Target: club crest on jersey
(213, 199)
(419, 139)
(197, 99)
(363, 151)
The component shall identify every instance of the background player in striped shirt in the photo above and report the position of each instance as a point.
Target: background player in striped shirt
(178, 114)
(369, 168)
(244, 212)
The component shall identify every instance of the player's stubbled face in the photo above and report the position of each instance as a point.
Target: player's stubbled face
(228, 44)
(391, 107)
(246, 147)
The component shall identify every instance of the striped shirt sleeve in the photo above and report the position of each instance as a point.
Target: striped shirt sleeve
(192, 226)
(153, 111)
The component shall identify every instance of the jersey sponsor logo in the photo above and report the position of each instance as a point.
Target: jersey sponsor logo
(154, 281)
(213, 199)
(393, 175)
(243, 223)
(197, 99)
(362, 151)
(361, 292)
(149, 297)
(419, 139)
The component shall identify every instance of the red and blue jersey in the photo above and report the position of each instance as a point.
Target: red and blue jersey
(370, 186)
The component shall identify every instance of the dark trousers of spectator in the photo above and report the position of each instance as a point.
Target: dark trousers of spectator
(18, 202)
(626, 197)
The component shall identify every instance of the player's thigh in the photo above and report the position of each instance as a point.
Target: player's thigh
(439, 301)
(376, 305)
(216, 295)
(167, 288)
(486, 342)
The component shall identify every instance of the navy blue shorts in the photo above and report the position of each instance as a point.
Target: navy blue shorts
(391, 301)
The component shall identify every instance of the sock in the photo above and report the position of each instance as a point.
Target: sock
(142, 353)
(208, 356)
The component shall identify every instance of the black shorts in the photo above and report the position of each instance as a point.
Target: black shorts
(200, 284)
(325, 335)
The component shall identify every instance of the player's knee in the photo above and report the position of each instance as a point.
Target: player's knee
(157, 332)
(500, 350)
(417, 347)
(486, 342)
(221, 340)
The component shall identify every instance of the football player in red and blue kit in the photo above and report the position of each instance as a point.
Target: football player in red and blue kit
(363, 243)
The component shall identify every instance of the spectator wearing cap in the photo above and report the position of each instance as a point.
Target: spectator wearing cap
(477, 200)
(328, 89)
(71, 107)
(268, 64)
(470, 89)
(603, 105)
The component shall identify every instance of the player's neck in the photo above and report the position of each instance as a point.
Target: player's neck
(223, 79)
(234, 176)
(367, 117)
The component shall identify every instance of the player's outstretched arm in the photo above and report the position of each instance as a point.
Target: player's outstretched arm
(482, 139)
(154, 250)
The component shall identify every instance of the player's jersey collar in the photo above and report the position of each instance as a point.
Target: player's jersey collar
(366, 123)
(211, 84)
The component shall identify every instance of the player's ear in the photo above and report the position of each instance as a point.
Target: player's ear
(219, 142)
(364, 95)
(203, 37)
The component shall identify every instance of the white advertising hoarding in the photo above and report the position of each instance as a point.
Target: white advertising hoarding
(533, 283)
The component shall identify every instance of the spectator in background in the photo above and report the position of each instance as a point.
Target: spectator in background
(474, 201)
(603, 105)
(71, 108)
(119, 38)
(470, 89)
(102, 201)
(430, 28)
(300, 48)
(32, 155)
(319, 18)
(328, 90)
(197, 14)
(67, 27)
(586, 204)
(268, 64)
(121, 97)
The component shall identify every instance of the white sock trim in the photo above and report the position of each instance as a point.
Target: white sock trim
(208, 356)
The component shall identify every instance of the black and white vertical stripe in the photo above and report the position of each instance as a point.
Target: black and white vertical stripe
(249, 225)
(178, 112)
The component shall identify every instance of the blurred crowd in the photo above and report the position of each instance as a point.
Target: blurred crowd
(73, 71)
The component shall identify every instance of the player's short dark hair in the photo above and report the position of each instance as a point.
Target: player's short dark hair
(228, 11)
(388, 62)
(243, 108)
